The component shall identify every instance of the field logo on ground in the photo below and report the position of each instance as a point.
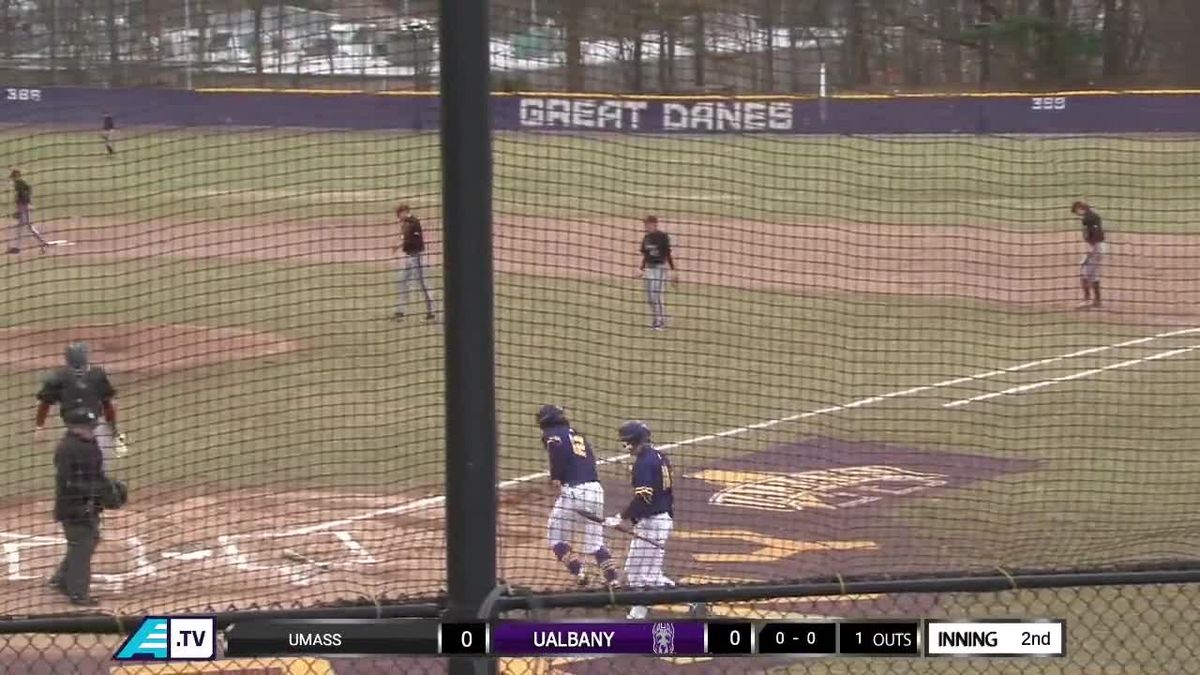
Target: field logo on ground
(836, 488)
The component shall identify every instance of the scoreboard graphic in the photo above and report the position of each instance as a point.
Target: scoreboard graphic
(194, 638)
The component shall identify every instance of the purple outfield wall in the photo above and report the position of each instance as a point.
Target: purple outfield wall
(1177, 112)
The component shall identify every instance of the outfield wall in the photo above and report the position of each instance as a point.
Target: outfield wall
(1078, 113)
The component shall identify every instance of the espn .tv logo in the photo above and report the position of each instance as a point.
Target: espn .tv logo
(171, 638)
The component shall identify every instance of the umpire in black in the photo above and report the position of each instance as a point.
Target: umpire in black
(81, 492)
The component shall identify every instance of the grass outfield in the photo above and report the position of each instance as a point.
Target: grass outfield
(1140, 184)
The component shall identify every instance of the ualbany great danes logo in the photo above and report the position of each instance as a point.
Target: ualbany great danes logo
(825, 489)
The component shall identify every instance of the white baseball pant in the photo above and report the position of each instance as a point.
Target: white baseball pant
(644, 564)
(566, 525)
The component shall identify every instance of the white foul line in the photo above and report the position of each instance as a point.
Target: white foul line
(438, 500)
(1073, 376)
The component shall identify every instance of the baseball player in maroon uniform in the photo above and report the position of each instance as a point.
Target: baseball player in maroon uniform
(412, 265)
(108, 132)
(23, 197)
(1089, 267)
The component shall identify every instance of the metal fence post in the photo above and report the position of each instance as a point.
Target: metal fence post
(471, 436)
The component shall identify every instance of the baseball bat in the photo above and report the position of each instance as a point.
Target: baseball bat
(619, 528)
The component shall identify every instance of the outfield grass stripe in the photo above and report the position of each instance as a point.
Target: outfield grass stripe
(1041, 384)
(438, 500)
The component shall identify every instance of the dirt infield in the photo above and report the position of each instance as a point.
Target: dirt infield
(785, 511)
(1149, 279)
(136, 348)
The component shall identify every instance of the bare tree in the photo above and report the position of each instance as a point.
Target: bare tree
(571, 15)
(767, 21)
(256, 6)
(855, 62)
(699, 44)
(949, 22)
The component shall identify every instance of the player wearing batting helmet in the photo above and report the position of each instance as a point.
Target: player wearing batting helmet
(573, 474)
(652, 512)
(1089, 267)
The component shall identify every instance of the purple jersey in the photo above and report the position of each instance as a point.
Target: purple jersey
(652, 493)
(572, 461)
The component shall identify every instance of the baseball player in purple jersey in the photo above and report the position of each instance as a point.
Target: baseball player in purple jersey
(652, 512)
(1089, 267)
(573, 473)
(23, 197)
(656, 259)
(412, 266)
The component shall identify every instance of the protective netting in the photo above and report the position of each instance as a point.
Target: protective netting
(868, 361)
(240, 288)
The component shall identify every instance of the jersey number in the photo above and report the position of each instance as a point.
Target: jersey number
(666, 477)
(578, 445)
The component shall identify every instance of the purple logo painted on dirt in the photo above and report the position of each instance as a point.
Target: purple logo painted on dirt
(816, 507)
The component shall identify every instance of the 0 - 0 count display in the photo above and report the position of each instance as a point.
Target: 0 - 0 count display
(798, 638)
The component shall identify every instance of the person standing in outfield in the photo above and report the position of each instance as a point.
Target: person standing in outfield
(1089, 267)
(412, 266)
(108, 131)
(573, 474)
(23, 196)
(652, 512)
(656, 259)
(78, 385)
(79, 486)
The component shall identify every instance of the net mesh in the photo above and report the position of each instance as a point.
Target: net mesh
(868, 361)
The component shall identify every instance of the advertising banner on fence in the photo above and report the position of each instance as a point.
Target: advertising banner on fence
(1079, 113)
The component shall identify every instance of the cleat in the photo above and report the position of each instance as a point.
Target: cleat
(1086, 304)
(83, 601)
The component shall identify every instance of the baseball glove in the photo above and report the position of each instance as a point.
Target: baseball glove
(115, 495)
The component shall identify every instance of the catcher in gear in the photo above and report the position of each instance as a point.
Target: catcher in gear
(79, 385)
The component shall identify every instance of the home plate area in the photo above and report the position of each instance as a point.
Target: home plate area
(236, 549)
(795, 510)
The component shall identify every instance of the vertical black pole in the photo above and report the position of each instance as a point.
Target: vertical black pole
(470, 368)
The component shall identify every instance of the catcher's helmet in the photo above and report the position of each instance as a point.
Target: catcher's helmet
(551, 415)
(76, 355)
(634, 434)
